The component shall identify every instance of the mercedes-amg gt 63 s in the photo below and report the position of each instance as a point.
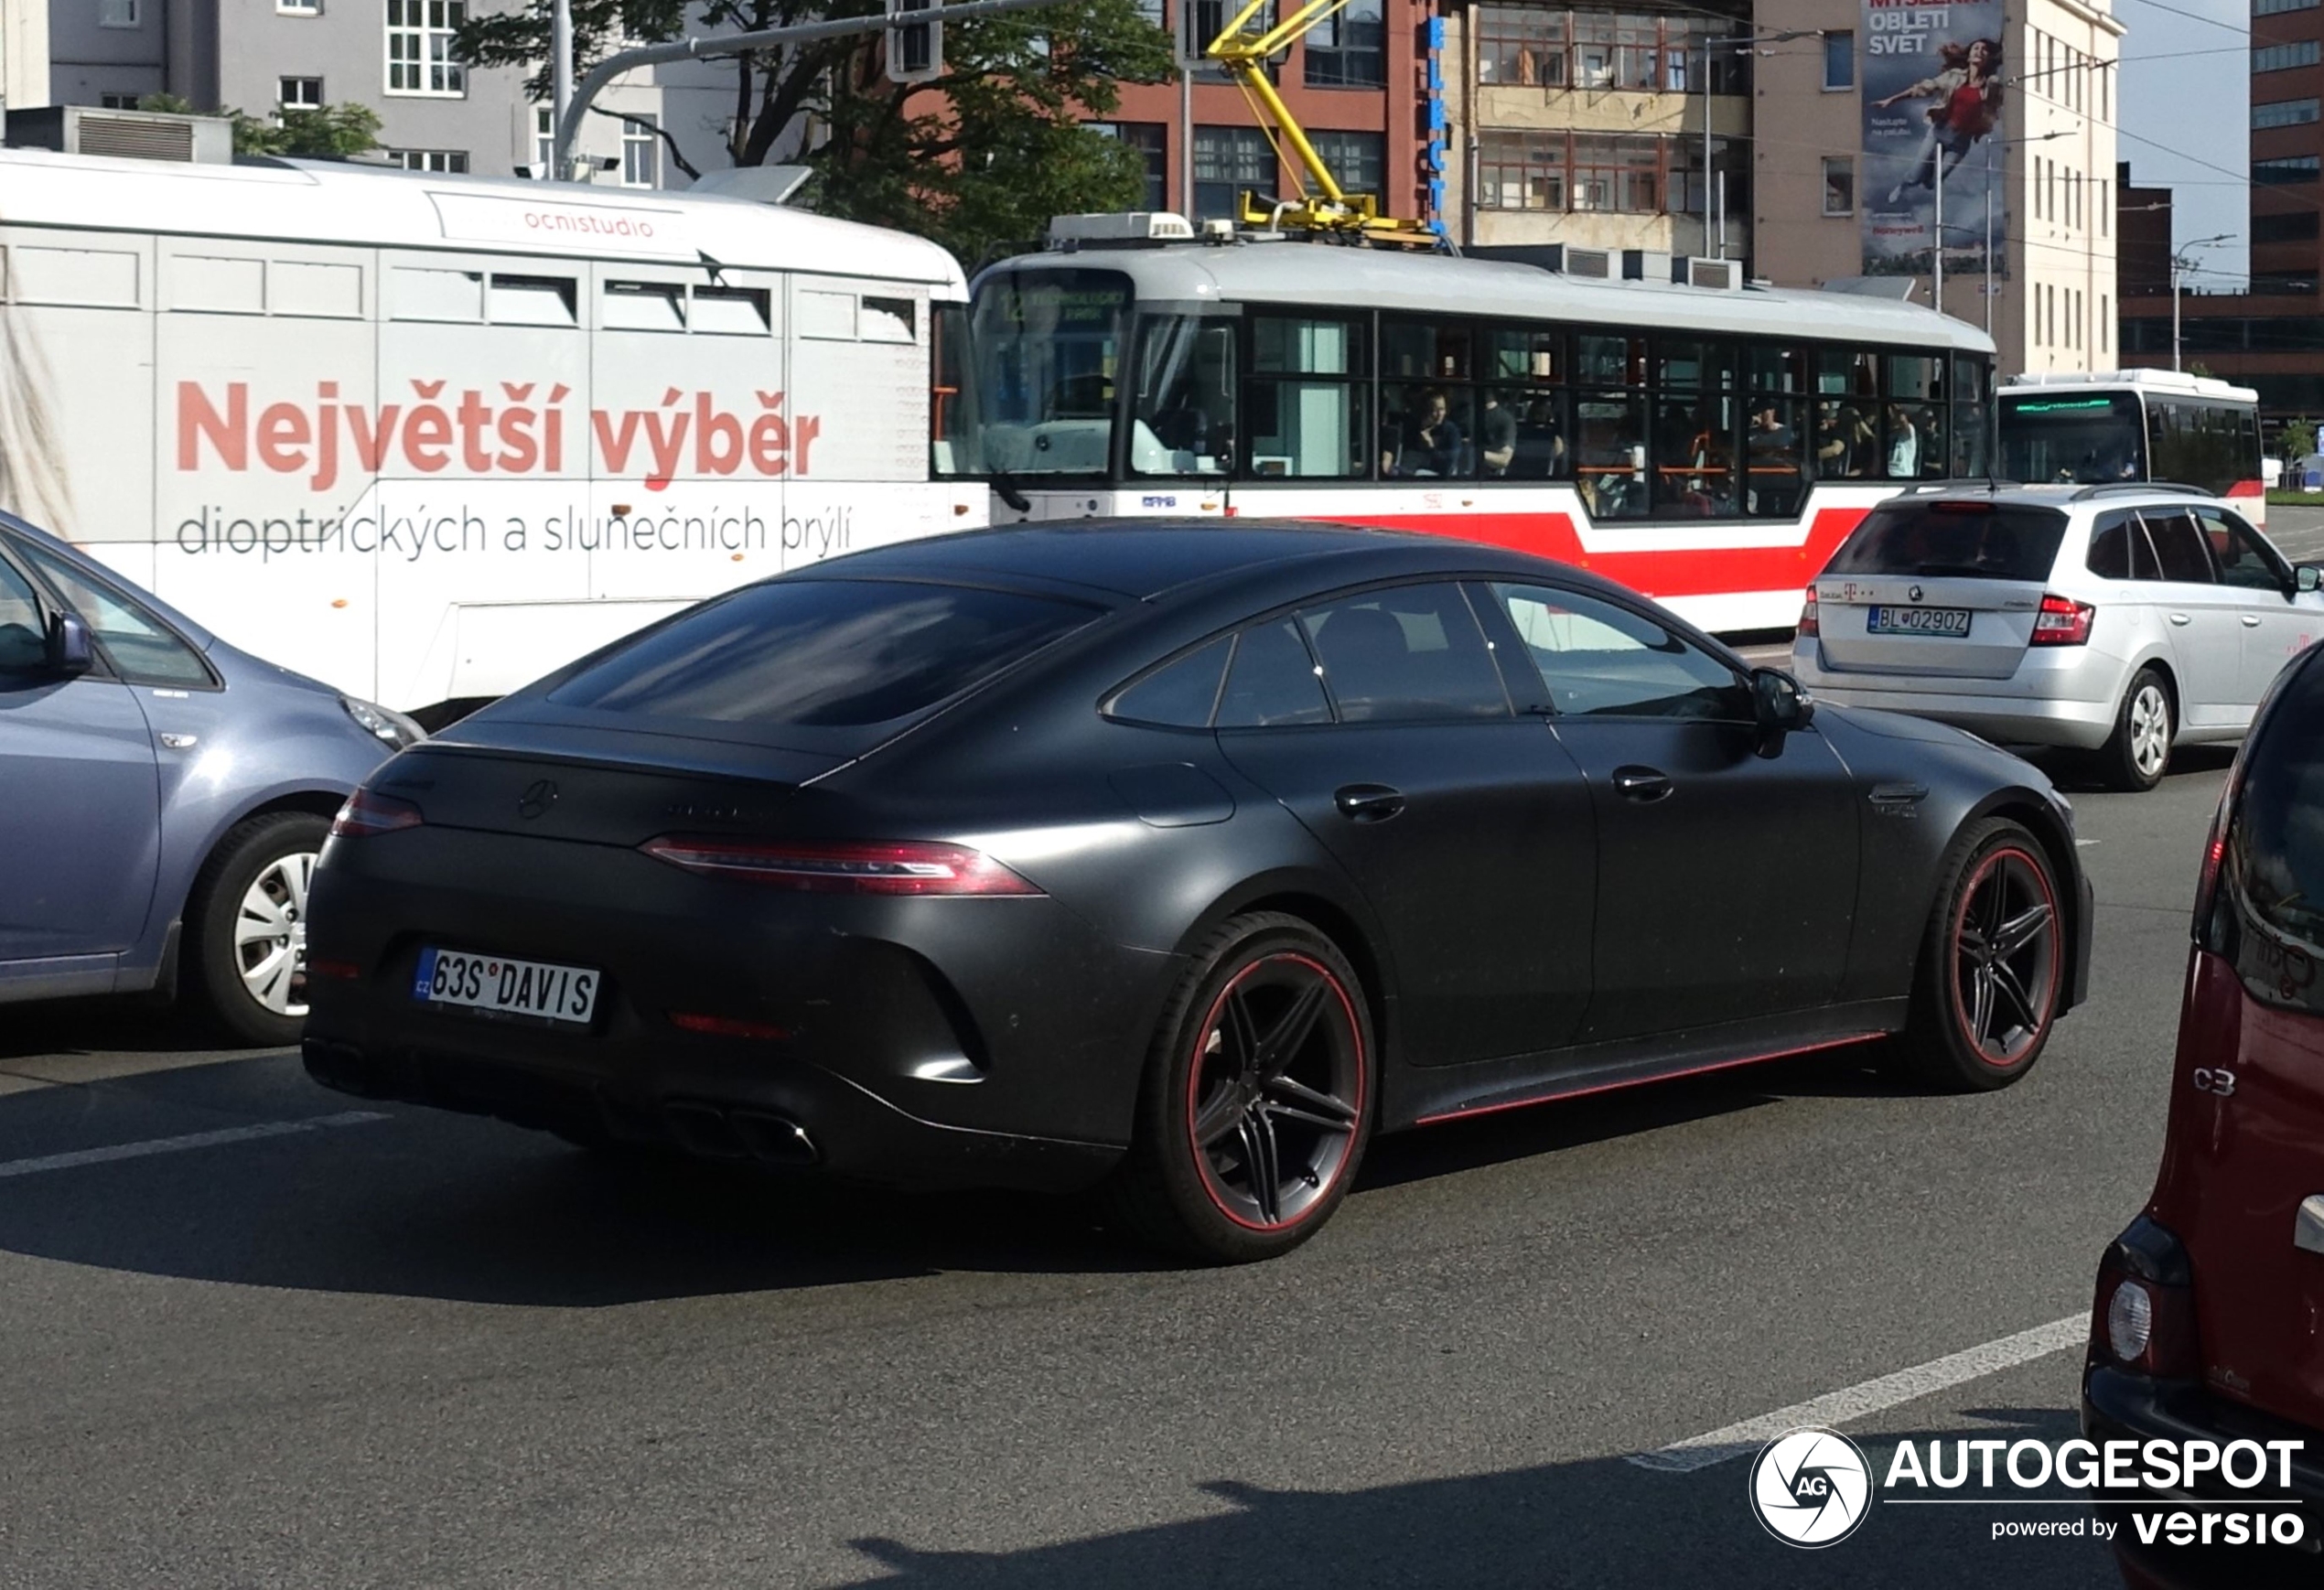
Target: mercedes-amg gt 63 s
(1180, 859)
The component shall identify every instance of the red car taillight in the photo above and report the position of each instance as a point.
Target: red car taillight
(2215, 854)
(1809, 623)
(366, 812)
(853, 868)
(2063, 622)
(2142, 1319)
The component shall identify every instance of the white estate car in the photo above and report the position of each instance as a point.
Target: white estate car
(2121, 619)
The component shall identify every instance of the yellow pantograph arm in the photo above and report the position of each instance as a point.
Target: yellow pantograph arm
(1246, 58)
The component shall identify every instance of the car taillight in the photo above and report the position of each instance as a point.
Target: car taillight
(852, 868)
(2142, 1319)
(2063, 622)
(366, 812)
(1809, 623)
(2215, 854)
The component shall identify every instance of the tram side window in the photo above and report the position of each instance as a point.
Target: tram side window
(1427, 408)
(1521, 415)
(1182, 422)
(1609, 453)
(1306, 401)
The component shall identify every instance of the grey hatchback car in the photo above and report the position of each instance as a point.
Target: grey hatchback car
(162, 796)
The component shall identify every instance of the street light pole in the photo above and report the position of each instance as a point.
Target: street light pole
(560, 71)
(2180, 266)
(1786, 36)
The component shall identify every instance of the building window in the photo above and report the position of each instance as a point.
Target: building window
(117, 13)
(2284, 171)
(1349, 49)
(1616, 173)
(419, 47)
(299, 8)
(2278, 7)
(1839, 185)
(1148, 139)
(451, 162)
(2298, 228)
(299, 94)
(640, 152)
(1357, 161)
(2284, 114)
(116, 101)
(1839, 60)
(2283, 57)
(544, 142)
(1521, 170)
(1521, 46)
(1228, 162)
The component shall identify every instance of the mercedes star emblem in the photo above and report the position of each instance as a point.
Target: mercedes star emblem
(538, 797)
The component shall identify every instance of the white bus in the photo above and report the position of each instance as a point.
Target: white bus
(2096, 426)
(427, 438)
(1706, 440)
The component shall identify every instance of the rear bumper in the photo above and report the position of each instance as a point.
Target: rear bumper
(2067, 696)
(794, 1117)
(905, 1041)
(2117, 1406)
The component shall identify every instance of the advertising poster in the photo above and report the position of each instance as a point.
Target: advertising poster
(1933, 75)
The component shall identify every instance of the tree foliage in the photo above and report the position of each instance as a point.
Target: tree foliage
(978, 159)
(2298, 439)
(326, 131)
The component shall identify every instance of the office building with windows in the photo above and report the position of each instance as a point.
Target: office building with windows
(2270, 338)
(396, 55)
(1597, 126)
(1879, 130)
(1357, 85)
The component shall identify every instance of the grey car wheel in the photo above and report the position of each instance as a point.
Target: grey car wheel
(247, 926)
(2139, 752)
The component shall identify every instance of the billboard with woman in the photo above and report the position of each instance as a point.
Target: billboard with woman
(1933, 100)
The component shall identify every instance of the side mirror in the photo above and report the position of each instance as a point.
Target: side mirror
(69, 651)
(1779, 702)
(2308, 576)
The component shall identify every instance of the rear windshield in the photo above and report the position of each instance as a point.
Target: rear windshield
(1976, 540)
(2277, 856)
(822, 653)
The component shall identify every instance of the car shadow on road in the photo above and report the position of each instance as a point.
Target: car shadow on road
(413, 1202)
(129, 1026)
(1596, 1524)
(2078, 774)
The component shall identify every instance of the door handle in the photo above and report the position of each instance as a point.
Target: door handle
(1368, 803)
(181, 742)
(2178, 618)
(2251, 620)
(1644, 785)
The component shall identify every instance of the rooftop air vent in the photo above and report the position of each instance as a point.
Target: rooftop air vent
(124, 134)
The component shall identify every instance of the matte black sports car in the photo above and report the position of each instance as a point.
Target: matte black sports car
(1179, 857)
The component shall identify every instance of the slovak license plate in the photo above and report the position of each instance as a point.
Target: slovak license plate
(1951, 621)
(505, 987)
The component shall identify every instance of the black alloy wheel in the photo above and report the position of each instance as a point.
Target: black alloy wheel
(1993, 964)
(1257, 1099)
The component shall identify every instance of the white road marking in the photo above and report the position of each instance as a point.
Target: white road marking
(1871, 1397)
(81, 1156)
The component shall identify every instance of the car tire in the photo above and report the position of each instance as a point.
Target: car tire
(1257, 1097)
(1993, 967)
(255, 980)
(2138, 753)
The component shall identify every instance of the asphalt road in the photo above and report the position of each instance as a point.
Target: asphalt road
(318, 1346)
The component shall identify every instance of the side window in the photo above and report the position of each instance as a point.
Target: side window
(1180, 694)
(1407, 654)
(23, 631)
(1271, 681)
(2178, 546)
(2109, 556)
(1603, 660)
(2243, 558)
(143, 649)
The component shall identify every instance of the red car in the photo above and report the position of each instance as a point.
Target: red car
(2209, 1321)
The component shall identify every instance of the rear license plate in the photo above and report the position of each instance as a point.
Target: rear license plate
(496, 984)
(1951, 621)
